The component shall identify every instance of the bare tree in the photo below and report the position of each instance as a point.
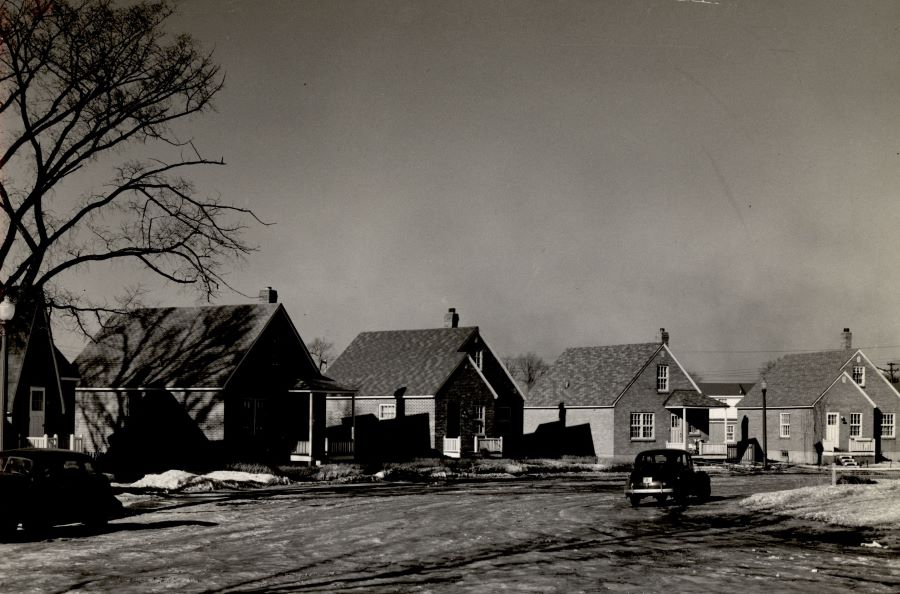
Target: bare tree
(83, 83)
(320, 349)
(526, 369)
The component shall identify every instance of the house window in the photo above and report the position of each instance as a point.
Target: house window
(784, 425)
(855, 424)
(479, 358)
(387, 411)
(662, 378)
(887, 425)
(642, 426)
(37, 399)
(859, 375)
(480, 419)
(729, 432)
(693, 430)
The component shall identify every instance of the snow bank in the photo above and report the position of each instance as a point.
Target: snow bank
(845, 505)
(178, 480)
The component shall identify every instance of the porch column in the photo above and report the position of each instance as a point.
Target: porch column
(312, 461)
(684, 427)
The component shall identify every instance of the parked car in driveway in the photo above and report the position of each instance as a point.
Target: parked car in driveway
(40, 488)
(666, 473)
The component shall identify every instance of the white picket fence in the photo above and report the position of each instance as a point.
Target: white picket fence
(489, 445)
(452, 447)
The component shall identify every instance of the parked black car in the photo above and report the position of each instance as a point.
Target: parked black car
(40, 488)
(666, 473)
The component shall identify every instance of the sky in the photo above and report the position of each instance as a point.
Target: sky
(563, 173)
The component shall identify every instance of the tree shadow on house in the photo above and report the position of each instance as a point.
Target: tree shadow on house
(555, 440)
(157, 383)
(402, 438)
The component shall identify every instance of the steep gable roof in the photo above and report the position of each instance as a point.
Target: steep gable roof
(380, 363)
(173, 346)
(798, 379)
(725, 388)
(591, 376)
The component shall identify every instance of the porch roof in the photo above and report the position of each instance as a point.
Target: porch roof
(691, 399)
(322, 384)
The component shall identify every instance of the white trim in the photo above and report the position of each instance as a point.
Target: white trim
(343, 396)
(484, 379)
(568, 407)
(150, 389)
(775, 407)
(499, 361)
(683, 370)
(878, 373)
(850, 379)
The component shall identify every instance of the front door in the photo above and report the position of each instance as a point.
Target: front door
(832, 431)
(676, 435)
(36, 417)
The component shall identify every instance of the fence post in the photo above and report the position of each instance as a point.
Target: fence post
(833, 474)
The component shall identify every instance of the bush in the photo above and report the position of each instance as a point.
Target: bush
(854, 479)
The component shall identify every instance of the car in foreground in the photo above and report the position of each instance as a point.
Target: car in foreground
(40, 488)
(665, 473)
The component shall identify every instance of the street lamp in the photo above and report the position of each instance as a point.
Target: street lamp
(764, 386)
(7, 311)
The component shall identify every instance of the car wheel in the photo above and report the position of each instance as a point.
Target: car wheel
(36, 526)
(635, 500)
(704, 491)
(680, 496)
(661, 499)
(8, 527)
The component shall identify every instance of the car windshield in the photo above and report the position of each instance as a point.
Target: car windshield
(16, 465)
(660, 459)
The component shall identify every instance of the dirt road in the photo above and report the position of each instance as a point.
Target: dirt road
(542, 536)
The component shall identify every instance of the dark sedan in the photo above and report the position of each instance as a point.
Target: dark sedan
(666, 473)
(40, 488)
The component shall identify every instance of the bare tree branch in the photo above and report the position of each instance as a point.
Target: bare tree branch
(80, 80)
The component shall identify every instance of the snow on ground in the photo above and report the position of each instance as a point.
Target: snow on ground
(845, 505)
(179, 480)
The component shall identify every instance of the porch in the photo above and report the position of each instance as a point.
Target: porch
(710, 451)
(76, 442)
(335, 449)
(484, 446)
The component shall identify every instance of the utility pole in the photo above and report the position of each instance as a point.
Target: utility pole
(891, 367)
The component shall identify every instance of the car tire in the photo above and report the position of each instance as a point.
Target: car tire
(635, 500)
(660, 499)
(8, 527)
(704, 490)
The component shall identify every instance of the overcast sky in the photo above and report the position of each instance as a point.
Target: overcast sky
(564, 173)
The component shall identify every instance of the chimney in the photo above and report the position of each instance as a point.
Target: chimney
(451, 318)
(268, 295)
(664, 336)
(847, 339)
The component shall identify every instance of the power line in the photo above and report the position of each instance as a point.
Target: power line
(890, 346)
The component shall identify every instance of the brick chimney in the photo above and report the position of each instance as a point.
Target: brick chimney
(451, 318)
(268, 295)
(846, 339)
(663, 336)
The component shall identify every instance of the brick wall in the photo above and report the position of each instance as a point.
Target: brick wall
(800, 446)
(885, 397)
(601, 423)
(466, 388)
(642, 397)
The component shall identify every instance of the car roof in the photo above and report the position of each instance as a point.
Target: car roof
(45, 454)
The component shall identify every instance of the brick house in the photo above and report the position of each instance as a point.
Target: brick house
(40, 382)
(824, 405)
(424, 392)
(189, 384)
(627, 398)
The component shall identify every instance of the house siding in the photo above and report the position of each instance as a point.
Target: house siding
(642, 397)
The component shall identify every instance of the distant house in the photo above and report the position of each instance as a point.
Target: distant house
(627, 397)
(424, 392)
(186, 383)
(41, 382)
(823, 405)
(723, 422)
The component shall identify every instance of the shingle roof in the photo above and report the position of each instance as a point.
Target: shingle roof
(591, 376)
(691, 399)
(724, 388)
(798, 379)
(380, 363)
(173, 346)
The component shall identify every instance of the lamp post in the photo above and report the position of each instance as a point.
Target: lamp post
(763, 386)
(7, 311)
